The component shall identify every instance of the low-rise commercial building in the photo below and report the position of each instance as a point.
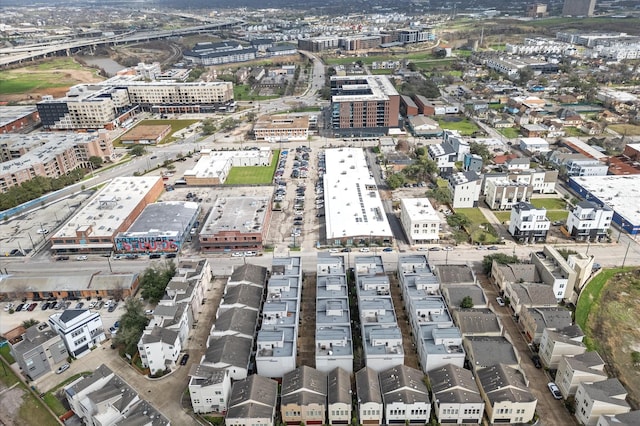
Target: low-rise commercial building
(146, 134)
(213, 167)
(281, 128)
(419, 220)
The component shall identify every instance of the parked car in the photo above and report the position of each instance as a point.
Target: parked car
(64, 367)
(18, 308)
(250, 253)
(434, 248)
(79, 305)
(155, 256)
(334, 250)
(170, 255)
(184, 359)
(492, 248)
(149, 312)
(42, 231)
(92, 305)
(32, 307)
(364, 250)
(236, 254)
(422, 249)
(112, 307)
(536, 361)
(8, 306)
(62, 258)
(500, 301)
(387, 249)
(346, 250)
(83, 257)
(555, 391)
(448, 248)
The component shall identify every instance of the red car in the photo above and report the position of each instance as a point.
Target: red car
(32, 307)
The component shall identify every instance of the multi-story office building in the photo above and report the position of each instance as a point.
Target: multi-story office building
(282, 128)
(366, 105)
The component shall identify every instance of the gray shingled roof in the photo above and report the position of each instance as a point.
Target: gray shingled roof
(339, 386)
(304, 378)
(249, 273)
(247, 295)
(610, 391)
(503, 383)
(368, 386)
(239, 320)
(231, 350)
(452, 384)
(253, 397)
(403, 384)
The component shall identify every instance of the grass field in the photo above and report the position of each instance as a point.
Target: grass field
(625, 129)
(607, 312)
(242, 92)
(464, 126)
(549, 203)
(382, 72)
(5, 352)
(509, 132)
(503, 216)
(39, 77)
(32, 411)
(255, 175)
(50, 396)
(480, 229)
(414, 57)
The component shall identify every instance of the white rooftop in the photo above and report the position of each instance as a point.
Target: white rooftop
(353, 205)
(621, 193)
(419, 209)
(380, 88)
(586, 148)
(108, 209)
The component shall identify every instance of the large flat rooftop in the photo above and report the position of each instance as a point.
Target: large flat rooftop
(237, 214)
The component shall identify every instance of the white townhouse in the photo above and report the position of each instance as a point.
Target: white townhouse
(370, 407)
(159, 349)
(456, 397)
(81, 329)
(209, 389)
(405, 396)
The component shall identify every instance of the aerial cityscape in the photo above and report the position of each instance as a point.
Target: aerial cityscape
(344, 213)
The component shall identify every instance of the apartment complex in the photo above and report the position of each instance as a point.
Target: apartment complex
(24, 157)
(110, 103)
(589, 222)
(365, 105)
(419, 220)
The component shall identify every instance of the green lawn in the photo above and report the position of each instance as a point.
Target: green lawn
(442, 183)
(503, 216)
(480, 229)
(572, 131)
(549, 203)
(509, 132)
(50, 396)
(413, 57)
(623, 129)
(554, 215)
(254, 175)
(243, 92)
(434, 63)
(382, 72)
(5, 352)
(590, 298)
(50, 74)
(32, 411)
(464, 126)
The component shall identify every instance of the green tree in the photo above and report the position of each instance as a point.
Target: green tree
(458, 220)
(525, 75)
(137, 150)
(501, 258)
(467, 302)
(411, 66)
(481, 150)
(95, 161)
(132, 324)
(29, 323)
(395, 180)
(441, 195)
(208, 128)
(420, 151)
(154, 280)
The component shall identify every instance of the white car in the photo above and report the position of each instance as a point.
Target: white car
(334, 250)
(236, 254)
(364, 250)
(555, 391)
(250, 253)
(92, 305)
(83, 257)
(42, 231)
(500, 301)
(149, 312)
(8, 306)
(62, 368)
(422, 249)
(448, 248)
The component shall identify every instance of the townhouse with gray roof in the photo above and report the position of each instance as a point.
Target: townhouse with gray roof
(40, 351)
(529, 295)
(253, 401)
(277, 338)
(587, 367)
(535, 319)
(370, 406)
(303, 396)
(229, 345)
(456, 397)
(159, 349)
(339, 403)
(606, 397)
(209, 388)
(381, 336)
(477, 322)
(455, 294)
(487, 351)
(506, 395)
(334, 343)
(103, 398)
(554, 344)
(455, 274)
(631, 418)
(405, 395)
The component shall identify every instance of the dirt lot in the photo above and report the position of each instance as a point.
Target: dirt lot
(10, 403)
(71, 76)
(616, 327)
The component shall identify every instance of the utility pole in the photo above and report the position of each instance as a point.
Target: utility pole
(625, 254)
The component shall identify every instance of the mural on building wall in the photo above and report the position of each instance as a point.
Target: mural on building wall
(147, 244)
